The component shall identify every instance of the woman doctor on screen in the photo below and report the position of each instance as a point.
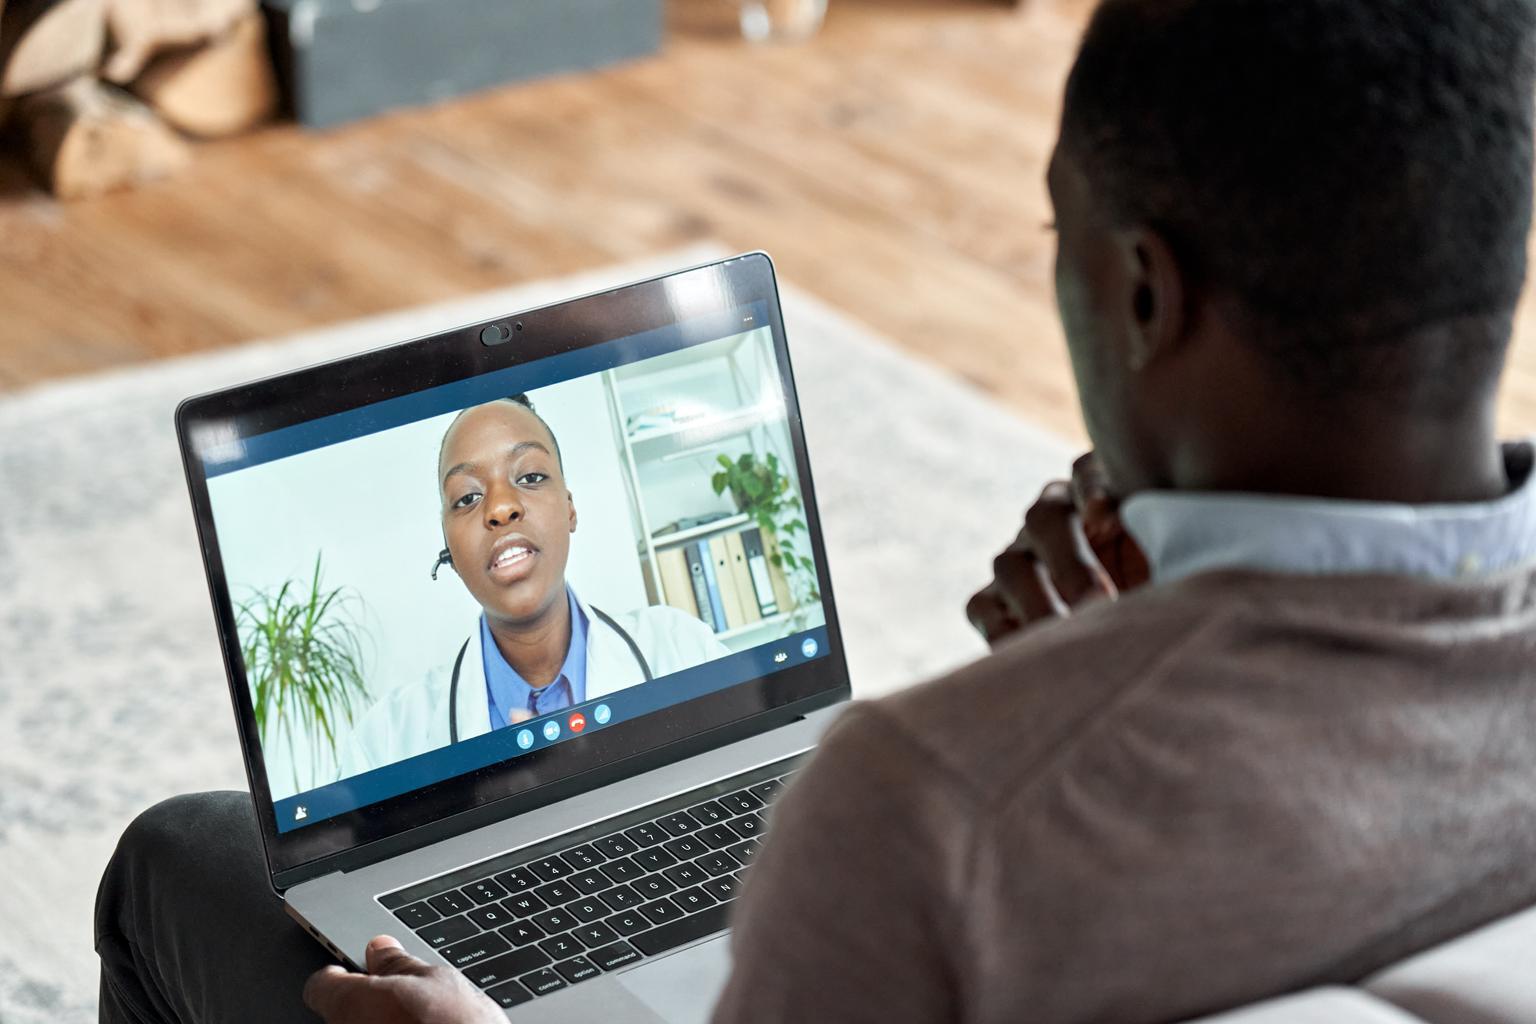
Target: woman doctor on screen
(536, 647)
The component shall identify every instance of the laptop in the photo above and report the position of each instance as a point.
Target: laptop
(527, 624)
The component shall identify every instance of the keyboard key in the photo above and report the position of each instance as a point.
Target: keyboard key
(481, 947)
(622, 870)
(554, 921)
(616, 955)
(678, 824)
(523, 904)
(484, 891)
(628, 922)
(722, 888)
(509, 995)
(622, 897)
(450, 930)
(549, 869)
(577, 969)
(694, 926)
(686, 874)
(686, 848)
(450, 903)
(655, 859)
(743, 852)
(693, 899)
(615, 845)
(709, 812)
(589, 909)
(581, 857)
(556, 893)
(741, 802)
(418, 914)
(653, 887)
(748, 826)
(718, 863)
(522, 933)
(661, 911)
(561, 947)
(490, 918)
(645, 835)
(505, 968)
(718, 837)
(596, 934)
(518, 880)
(589, 881)
(766, 791)
(542, 983)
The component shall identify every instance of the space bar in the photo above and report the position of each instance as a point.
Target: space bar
(670, 936)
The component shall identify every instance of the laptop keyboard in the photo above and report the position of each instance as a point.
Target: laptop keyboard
(576, 907)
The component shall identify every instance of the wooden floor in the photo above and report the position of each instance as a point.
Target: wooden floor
(893, 166)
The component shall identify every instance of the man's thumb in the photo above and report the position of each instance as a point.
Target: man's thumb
(385, 957)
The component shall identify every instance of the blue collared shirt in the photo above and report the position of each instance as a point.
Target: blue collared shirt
(506, 691)
(1187, 533)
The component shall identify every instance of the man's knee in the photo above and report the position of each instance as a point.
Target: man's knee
(181, 829)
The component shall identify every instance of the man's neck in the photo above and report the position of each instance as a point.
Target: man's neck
(537, 651)
(1399, 459)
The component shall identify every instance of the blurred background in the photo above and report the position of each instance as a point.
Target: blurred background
(181, 175)
(238, 171)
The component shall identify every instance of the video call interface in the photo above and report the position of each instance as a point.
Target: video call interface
(455, 578)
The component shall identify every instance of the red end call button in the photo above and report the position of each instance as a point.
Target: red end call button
(578, 722)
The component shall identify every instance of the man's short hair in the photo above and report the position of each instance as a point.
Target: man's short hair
(1355, 171)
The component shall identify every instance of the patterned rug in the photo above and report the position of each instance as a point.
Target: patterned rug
(112, 693)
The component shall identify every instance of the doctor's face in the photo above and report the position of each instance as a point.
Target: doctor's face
(507, 515)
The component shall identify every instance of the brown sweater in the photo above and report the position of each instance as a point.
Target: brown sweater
(1200, 795)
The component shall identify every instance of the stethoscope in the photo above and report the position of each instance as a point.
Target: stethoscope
(444, 558)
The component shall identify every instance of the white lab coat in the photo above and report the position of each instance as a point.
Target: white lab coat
(414, 719)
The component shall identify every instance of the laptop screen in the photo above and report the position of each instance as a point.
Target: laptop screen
(468, 575)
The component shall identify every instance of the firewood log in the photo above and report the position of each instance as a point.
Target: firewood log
(225, 87)
(85, 138)
(141, 29)
(46, 42)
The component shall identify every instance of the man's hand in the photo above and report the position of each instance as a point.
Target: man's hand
(1071, 550)
(398, 989)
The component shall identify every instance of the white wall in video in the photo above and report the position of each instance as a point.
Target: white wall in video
(653, 511)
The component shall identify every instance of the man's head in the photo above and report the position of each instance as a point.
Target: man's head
(1315, 205)
(507, 514)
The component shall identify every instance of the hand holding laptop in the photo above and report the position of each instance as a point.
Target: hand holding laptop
(1073, 538)
(397, 988)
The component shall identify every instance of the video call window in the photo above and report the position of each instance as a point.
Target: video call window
(387, 587)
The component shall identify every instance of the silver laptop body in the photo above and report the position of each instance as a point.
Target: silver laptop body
(407, 779)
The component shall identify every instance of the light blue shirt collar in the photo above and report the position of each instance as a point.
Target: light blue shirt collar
(1183, 534)
(506, 691)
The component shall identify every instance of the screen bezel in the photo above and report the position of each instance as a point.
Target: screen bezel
(692, 296)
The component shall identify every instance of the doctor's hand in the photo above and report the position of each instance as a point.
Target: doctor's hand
(1072, 550)
(398, 989)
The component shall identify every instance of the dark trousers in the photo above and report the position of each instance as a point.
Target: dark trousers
(187, 926)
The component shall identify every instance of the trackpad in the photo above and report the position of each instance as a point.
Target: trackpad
(683, 988)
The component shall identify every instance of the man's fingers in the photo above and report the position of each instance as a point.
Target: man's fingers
(1052, 529)
(385, 956)
(1016, 579)
(990, 616)
(329, 989)
(1090, 493)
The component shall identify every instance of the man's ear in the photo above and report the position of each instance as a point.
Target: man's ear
(570, 501)
(1155, 296)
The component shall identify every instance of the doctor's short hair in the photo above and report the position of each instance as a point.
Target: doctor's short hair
(518, 399)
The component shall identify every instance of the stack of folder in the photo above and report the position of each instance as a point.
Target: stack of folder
(728, 580)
